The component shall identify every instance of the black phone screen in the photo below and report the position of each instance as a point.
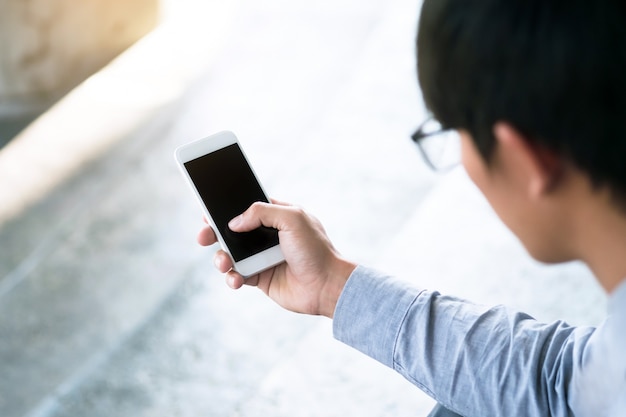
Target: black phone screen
(228, 187)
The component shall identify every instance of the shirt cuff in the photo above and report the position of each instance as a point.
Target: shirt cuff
(370, 313)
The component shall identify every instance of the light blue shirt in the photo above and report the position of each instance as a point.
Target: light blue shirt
(487, 361)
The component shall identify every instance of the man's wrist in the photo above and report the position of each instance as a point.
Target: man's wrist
(335, 286)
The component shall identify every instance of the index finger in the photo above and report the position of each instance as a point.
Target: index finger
(279, 202)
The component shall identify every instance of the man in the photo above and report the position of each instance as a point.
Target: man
(536, 90)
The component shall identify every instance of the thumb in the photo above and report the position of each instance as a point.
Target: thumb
(257, 215)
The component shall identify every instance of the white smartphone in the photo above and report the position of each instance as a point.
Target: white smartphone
(220, 176)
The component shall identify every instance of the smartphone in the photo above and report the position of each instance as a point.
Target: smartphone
(225, 184)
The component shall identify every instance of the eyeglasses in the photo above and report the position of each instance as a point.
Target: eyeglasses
(440, 148)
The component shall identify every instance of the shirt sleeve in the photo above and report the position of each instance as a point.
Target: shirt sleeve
(474, 360)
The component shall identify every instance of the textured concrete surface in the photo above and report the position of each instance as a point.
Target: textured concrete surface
(109, 308)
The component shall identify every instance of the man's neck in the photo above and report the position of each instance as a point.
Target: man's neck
(602, 241)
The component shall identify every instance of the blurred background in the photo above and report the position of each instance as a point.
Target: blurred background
(107, 305)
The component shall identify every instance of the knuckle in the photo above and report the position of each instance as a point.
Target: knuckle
(299, 216)
(299, 212)
(254, 211)
(255, 208)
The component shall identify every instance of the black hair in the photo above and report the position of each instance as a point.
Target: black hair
(554, 69)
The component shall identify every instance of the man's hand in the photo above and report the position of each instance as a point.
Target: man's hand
(314, 274)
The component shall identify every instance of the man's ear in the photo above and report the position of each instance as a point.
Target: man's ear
(535, 166)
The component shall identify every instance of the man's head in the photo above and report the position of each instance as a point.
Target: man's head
(555, 70)
(537, 89)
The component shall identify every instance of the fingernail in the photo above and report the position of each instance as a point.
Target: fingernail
(234, 222)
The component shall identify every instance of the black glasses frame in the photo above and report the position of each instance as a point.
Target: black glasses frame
(421, 134)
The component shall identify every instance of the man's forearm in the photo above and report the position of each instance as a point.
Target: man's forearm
(473, 359)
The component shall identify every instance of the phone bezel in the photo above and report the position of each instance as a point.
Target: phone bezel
(251, 265)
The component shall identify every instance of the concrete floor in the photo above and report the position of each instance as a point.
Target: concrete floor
(109, 308)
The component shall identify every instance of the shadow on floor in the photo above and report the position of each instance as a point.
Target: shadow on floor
(10, 127)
